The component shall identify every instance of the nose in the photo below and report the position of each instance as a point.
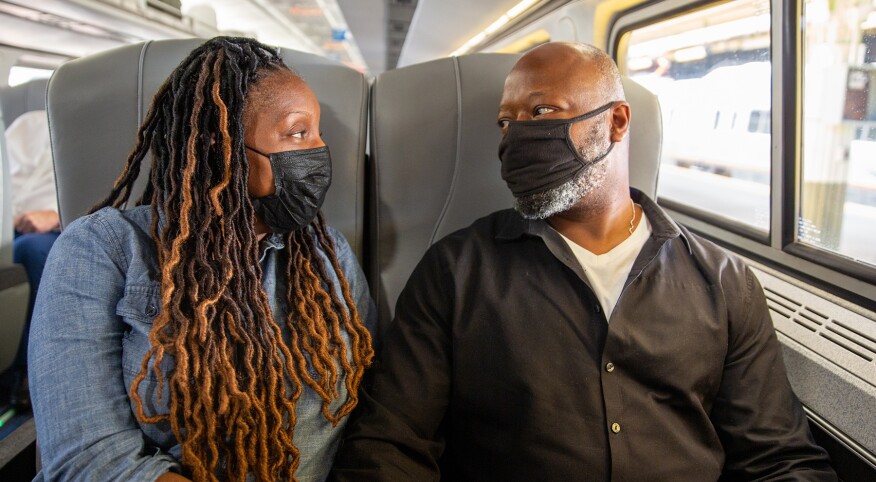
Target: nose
(318, 141)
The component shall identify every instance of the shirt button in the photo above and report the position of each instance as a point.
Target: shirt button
(151, 310)
(609, 367)
(615, 427)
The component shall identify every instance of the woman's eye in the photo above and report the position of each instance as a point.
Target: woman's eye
(299, 134)
(542, 110)
(503, 123)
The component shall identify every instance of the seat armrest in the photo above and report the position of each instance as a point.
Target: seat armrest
(14, 297)
(11, 275)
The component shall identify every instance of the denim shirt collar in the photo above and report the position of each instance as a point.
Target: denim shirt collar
(271, 242)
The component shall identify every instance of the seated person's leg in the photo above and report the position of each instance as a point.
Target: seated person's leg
(31, 251)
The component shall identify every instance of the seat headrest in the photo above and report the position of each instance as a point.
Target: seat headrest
(22, 98)
(96, 104)
(646, 137)
(434, 141)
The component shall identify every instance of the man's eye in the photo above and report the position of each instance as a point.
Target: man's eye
(542, 110)
(299, 134)
(503, 123)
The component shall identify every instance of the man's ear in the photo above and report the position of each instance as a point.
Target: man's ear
(620, 120)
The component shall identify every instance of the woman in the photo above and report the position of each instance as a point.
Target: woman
(219, 330)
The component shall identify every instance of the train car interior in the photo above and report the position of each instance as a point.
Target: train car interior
(753, 125)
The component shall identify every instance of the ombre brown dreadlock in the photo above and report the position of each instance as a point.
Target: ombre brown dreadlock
(236, 381)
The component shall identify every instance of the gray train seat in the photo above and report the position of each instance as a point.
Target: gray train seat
(96, 104)
(436, 169)
(22, 98)
(14, 287)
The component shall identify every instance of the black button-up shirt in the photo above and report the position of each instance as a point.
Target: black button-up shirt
(500, 365)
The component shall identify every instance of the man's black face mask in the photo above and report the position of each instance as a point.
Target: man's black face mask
(538, 155)
(301, 179)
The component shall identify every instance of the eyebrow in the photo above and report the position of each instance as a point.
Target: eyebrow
(283, 115)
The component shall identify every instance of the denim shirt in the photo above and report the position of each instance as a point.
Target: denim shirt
(90, 332)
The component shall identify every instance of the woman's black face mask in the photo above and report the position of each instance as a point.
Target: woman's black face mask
(538, 155)
(301, 179)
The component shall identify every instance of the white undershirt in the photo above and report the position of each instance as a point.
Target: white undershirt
(607, 273)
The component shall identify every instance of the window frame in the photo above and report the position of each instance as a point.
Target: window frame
(779, 248)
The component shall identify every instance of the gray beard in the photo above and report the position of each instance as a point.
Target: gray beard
(545, 204)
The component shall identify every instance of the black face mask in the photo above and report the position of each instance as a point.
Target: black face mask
(301, 179)
(538, 155)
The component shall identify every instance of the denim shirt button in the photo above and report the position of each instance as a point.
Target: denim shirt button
(151, 310)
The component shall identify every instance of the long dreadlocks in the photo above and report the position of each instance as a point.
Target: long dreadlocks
(236, 381)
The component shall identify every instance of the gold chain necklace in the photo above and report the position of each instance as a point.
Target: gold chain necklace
(632, 219)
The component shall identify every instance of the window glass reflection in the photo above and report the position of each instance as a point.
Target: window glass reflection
(838, 193)
(711, 70)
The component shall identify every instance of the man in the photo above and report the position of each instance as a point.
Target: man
(35, 219)
(583, 335)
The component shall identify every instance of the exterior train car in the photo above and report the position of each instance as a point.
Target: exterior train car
(766, 139)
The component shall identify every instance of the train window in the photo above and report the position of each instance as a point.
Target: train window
(759, 121)
(838, 191)
(711, 70)
(19, 74)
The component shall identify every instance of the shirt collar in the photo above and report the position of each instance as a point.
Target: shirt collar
(274, 241)
(271, 242)
(662, 226)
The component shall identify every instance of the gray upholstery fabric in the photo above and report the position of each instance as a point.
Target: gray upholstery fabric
(434, 144)
(14, 288)
(96, 104)
(434, 140)
(26, 97)
(6, 230)
(646, 137)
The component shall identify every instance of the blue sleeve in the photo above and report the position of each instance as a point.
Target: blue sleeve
(356, 278)
(85, 427)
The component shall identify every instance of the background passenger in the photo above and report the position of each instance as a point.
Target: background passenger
(584, 335)
(35, 219)
(219, 330)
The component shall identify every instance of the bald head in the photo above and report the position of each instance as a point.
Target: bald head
(582, 67)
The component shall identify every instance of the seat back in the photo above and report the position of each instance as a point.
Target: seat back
(6, 230)
(14, 288)
(434, 143)
(22, 98)
(96, 104)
